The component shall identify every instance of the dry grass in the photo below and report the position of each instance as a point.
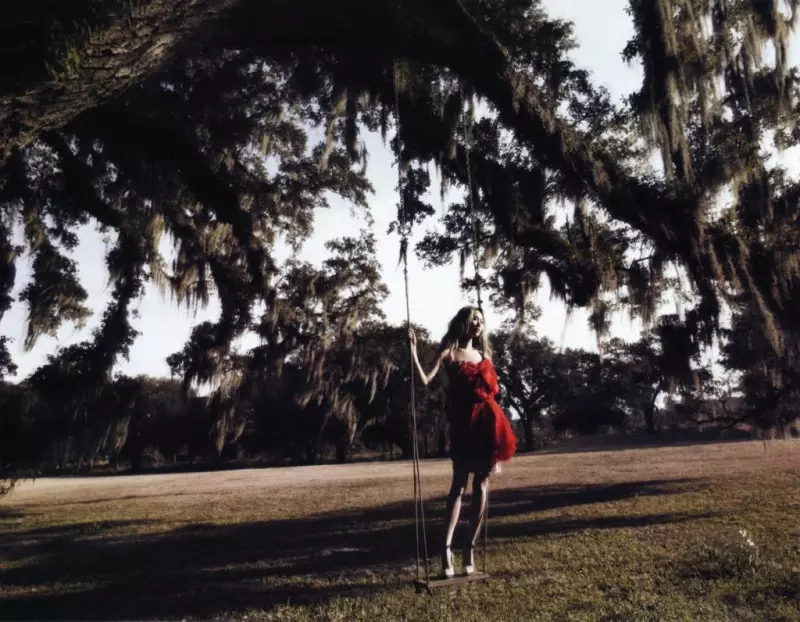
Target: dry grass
(650, 534)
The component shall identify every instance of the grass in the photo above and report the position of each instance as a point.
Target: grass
(648, 534)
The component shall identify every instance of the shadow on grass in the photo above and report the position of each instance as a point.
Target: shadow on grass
(123, 498)
(786, 588)
(7, 513)
(48, 535)
(518, 501)
(204, 570)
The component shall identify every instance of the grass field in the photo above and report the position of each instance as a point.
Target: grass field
(630, 534)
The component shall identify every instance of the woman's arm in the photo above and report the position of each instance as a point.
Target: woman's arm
(426, 378)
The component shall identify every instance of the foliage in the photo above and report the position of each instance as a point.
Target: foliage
(530, 371)
(725, 558)
(770, 384)
(214, 145)
(321, 411)
(7, 366)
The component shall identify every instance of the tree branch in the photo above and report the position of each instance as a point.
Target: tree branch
(428, 31)
(76, 176)
(431, 32)
(442, 32)
(107, 62)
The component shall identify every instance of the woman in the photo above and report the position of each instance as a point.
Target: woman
(480, 434)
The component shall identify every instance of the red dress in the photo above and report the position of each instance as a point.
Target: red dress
(480, 433)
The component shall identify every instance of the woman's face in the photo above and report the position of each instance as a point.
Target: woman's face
(475, 326)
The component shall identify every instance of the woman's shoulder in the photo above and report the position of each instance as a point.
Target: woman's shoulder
(446, 355)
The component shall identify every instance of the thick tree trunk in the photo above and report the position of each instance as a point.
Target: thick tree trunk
(342, 451)
(107, 62)
(528, 426)
(650, 411)
(649, 418)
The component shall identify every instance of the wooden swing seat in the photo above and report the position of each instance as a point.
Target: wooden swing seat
(433, 584)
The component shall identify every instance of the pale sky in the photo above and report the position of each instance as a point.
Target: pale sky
(601, 28)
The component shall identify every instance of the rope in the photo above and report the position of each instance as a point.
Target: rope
(473, 219)
(476, 264)
(405, 226)
(485, 527)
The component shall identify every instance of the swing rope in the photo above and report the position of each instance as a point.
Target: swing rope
(476, 265)
(472, 217)
(405, 230)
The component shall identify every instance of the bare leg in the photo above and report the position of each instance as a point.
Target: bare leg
(480, 488)
(453, 507)
(452, 512)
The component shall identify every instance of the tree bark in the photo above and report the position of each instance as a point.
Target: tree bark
(109, 61)
(650, 410)
(526, 417)
(529, 440)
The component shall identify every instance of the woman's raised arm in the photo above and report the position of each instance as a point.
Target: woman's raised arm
(426, 378)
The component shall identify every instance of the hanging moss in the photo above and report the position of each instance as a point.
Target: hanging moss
(183, 155)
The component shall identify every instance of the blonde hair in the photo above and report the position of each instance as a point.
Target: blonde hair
(458, 327)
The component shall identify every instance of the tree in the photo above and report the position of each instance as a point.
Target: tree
(157, 416)
(529, 370)
(16, 439)
(312, 321)
(454, 35)
(7, 366)
(665, 359)
(770, 384)
(573, 390)
(188, 118)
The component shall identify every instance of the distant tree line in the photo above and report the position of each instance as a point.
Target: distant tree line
(133, 423)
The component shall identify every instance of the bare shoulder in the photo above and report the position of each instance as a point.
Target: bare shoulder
(447, 355)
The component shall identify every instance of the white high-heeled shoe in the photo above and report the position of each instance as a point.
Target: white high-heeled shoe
(447, 563)
(469, 561)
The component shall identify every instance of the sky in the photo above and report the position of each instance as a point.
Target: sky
(435, 293)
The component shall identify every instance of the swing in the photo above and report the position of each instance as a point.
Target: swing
(426, 583)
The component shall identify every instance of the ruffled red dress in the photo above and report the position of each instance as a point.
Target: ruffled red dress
(480, 432)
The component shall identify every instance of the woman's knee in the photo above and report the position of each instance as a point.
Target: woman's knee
(456, 492)
(481, 483)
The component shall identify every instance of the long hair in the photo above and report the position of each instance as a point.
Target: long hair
(458, 327)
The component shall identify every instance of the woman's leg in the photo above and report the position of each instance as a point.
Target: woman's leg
(452, 511)
(480, 489)
(453, 507)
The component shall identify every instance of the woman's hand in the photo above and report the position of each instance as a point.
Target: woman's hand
(412, 340)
